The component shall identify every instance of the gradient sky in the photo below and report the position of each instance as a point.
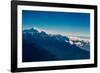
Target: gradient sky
(65, 23)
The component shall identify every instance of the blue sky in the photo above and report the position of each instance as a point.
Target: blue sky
(65, 23)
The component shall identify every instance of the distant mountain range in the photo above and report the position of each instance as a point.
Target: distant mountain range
(41, 46)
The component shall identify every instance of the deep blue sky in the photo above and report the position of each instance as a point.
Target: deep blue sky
(66, 23)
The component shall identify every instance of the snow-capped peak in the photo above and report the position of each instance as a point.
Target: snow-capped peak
(39, 30)
(71, 42)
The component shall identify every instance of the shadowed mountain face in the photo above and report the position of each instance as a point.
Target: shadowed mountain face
(40, 46)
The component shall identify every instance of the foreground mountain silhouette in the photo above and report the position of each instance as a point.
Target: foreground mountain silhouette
(40, 46)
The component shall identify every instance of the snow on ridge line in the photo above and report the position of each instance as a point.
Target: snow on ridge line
(72, 38)
(39, 30)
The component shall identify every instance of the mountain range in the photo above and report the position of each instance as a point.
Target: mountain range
(41, 46)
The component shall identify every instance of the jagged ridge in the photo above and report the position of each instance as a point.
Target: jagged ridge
(40, 46)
